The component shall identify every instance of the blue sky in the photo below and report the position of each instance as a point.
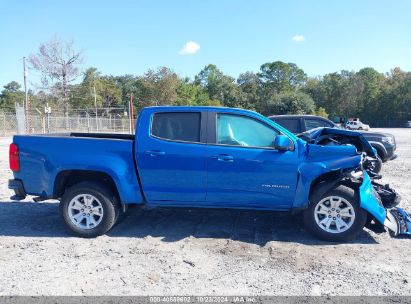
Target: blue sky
(129, 37)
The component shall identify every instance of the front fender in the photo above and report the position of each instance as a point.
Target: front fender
(311, 170)
(309, 173)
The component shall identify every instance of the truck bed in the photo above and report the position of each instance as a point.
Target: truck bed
(49, 155)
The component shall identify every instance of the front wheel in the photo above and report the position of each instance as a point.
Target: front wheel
(89, 209)
(336, 216)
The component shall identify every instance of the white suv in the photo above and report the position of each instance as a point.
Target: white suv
(357, 125)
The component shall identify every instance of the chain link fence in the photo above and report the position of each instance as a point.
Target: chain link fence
(11, 124)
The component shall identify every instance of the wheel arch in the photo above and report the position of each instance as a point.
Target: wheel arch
(323, 183)
(381, 150)
(67, 178)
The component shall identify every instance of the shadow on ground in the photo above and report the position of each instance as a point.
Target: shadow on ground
(255, 227)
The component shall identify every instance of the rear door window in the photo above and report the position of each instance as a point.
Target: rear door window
(177, 126)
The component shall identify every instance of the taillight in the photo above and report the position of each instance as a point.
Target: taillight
(14, 157)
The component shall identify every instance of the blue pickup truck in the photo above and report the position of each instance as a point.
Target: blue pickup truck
(207, 157)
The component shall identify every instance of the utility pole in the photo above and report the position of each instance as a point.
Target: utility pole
(95, 103)
(25, 91)
(130, 111)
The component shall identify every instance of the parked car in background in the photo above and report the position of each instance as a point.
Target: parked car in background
(407, 124)
(383, 143)
(356, 125)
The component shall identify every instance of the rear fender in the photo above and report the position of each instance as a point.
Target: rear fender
(122, 175)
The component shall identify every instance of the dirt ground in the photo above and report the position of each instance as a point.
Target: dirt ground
(198, 252)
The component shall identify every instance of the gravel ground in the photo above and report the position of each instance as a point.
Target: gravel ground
(198, 252)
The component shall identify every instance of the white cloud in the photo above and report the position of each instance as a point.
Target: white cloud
(190, 47)
(298, 38)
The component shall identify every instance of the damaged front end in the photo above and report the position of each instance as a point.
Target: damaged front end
(381, 203)
(337, 137)
(379, 200)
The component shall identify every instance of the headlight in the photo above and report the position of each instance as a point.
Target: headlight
(388, 140)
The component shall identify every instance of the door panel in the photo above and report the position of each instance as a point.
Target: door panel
(240, 175)
(260, 178)
(172, 168)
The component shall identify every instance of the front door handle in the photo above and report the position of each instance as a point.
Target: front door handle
(155, 152)
(223, 157)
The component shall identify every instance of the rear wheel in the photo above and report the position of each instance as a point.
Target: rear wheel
(336, 216)
(89, 210)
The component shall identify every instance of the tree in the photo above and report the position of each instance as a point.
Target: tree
(395, 101)
(321, 112)
(371, 86)
(160, 86)
(10, 95)
(12, 87)
(278, 77)
(191, 94)
(107, 92)
(218, 86)
(289, 103)
(58, 62)
(249, 85)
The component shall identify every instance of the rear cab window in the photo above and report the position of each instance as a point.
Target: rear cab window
(312, 123)
(291, 124)
(177, 126)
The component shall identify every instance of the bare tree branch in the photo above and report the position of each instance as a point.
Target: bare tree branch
(58, 63)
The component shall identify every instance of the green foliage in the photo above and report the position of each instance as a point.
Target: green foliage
(160, 86)
(218, 86)
(321, 112)
(278, 76)
(96, 91)
(191, 94)
(10, 96)
(289, 103)
(249, 90)
(279, 88)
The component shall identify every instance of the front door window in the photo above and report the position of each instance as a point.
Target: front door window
(235, 130)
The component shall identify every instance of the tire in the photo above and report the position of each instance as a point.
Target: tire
(317, 216)
(381, 155)
(89, 209)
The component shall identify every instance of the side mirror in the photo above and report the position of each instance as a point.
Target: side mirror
(283, 143)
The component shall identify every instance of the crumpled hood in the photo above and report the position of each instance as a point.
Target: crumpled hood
(333, 157)
(316, 134)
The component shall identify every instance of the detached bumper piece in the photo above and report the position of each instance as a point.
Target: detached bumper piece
(389, 198)
(18, 188)
(398, 222)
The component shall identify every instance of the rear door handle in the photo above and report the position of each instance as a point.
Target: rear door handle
(155, 153)
(223, 157)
